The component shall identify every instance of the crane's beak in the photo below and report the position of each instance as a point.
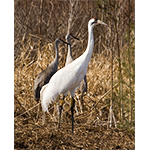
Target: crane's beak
(74, 37)
(100, 22)
(64, 42)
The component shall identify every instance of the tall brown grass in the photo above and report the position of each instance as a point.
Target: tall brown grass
(91, 126)
(27, 67)
(36, 26)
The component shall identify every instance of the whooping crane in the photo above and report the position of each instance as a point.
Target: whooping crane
(68, 78)
(44, 76)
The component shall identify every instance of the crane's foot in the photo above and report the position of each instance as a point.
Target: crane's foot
(60, 110)
(72, 113)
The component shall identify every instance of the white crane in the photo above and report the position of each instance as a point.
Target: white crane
(68, 78)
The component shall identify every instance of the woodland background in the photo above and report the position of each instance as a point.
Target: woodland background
(37, 23)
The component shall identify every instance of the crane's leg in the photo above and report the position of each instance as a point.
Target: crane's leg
(81, 102)
(72, 112)
(60, 110)
(83, 89)
(85, 81)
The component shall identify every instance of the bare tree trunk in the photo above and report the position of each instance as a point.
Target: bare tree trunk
(129, 65)
(100, 37)
(72, 6)
(111, 116)
(39, 30)
(120, 73)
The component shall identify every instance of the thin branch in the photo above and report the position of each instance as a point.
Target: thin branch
(27, 111)
(105, 95)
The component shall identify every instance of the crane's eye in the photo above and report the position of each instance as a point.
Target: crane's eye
(92, 22)
(95, 21)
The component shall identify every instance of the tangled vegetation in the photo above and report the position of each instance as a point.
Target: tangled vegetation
(110, 76)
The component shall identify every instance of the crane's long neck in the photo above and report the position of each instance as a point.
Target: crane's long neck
(69, 48)
(90, 46)
(56, 53)
(69, 54)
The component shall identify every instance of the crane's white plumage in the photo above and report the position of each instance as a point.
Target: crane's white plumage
(60, 84)
(68, 78)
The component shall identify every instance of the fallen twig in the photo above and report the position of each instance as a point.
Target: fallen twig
(104, 95)
(27, 111)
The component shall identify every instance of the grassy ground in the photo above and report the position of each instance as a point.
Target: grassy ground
(91, 131)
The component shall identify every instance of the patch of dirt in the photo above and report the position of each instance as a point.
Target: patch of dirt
(90, 132)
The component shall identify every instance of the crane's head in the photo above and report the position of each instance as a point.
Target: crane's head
(58, 40)
(95, 21)
(69, 36)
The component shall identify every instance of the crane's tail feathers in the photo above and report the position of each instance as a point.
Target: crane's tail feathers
(43, 102)
(45, 99)
(45, 106)
(37, 89)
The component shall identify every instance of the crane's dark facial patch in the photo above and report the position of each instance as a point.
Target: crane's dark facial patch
(95, 21)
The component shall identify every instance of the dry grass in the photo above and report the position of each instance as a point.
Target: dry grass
(90, 130)
(38, 22)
